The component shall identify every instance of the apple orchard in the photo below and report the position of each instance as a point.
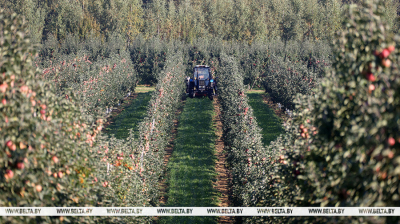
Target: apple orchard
(340, 144)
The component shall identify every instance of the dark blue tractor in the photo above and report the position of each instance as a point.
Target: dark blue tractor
(202, 82)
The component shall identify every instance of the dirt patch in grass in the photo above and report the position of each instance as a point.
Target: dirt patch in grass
(224, 179)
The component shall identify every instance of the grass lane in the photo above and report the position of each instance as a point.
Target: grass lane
(130, 117)
(266, 118)
(191, 168)
(144, 89)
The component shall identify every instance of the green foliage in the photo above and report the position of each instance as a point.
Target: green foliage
(149, 58)
(244, 21)
(341, 149)
(92, 46)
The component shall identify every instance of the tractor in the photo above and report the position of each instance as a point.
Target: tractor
(202, 83)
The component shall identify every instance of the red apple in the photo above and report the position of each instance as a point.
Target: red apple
(39, 188)
(391, 141)
(391, 155)
(3, 87)
(370, 77)
(371, 87)
(386, 63)
(384, 54)
(24, 89)
(9, 174)
(55, 159)
(9, 144)
(391, 48)
(4, 101)
(20, 165)
(60, 174)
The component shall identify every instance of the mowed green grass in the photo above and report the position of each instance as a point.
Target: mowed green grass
(130, 117)
(191, 168)
(266, 118)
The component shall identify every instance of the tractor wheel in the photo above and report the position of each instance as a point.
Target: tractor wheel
(191, 93)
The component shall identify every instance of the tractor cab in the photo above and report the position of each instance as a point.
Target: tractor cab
(201, 73)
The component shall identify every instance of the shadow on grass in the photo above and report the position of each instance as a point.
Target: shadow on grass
(130, 117)
(191, 168)
(266, 118)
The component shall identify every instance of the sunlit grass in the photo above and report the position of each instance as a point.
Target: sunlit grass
(144, 89)
(255, 91)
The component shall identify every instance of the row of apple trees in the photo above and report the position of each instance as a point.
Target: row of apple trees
(342, 147)
(146, 56)
(284, 69)
(54, 154)
(242, 135)
(100, 84)
(46, 141)
(131, 168)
